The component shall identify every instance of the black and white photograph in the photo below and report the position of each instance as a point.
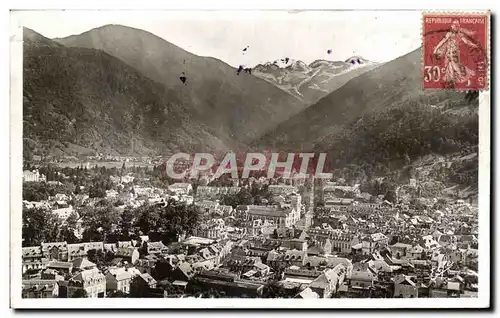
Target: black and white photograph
(333, 159)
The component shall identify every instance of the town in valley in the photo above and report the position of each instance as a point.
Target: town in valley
(149, 171)
(92, 231)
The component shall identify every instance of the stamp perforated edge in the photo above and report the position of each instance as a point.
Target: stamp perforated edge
(486, 13)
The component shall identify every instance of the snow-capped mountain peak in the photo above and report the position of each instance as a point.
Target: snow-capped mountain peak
(356, 60)
(311, 82)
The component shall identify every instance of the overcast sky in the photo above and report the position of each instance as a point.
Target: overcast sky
(270, 35)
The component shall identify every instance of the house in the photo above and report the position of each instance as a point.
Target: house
(156, 248)
(62, 267)
(55, 251)
(183, 272)
(80, 250)
(127, 254)
(470, 258)
(342, 243)
(299, 276)
(326, 284)
(382, 270)
(415, 252)
(339, 205)
(63, 213)
(405, 287)
(429, 242)
(208, 192)
(453, 289)
(399, 250)
(181, 188)
(283, 189)
(372, 242)
(362, 279)
(33, 258)
(213, 229)
(118, 279)
(40, 288)
(131, 243)
(447, 239)
(307, 294)
(272, 216)
(92, 281)
(83, 264)
(51, 274)
(33, 176)
(286, 258)
(229, 283)
(148, 280)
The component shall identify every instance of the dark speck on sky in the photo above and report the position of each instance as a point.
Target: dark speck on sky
(183, 78)
(329, 51)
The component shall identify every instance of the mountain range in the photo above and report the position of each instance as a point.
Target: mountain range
(119, 90)
(392, 84)
(234, 106)
(310, 83)
(78, 100)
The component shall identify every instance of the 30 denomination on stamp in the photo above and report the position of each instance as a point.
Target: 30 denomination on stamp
(455, 51)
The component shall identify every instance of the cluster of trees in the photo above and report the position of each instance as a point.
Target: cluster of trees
(376, 187)
(273, 289)
(160, 222)
(40, 225)
(104, 222)
(255, 195)
(38, 191)
(165, 222)
(385, 141)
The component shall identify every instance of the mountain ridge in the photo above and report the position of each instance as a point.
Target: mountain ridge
(240, 106)
(309, 83)
(86, 99)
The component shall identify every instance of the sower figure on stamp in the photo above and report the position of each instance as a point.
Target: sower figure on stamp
(454, 70)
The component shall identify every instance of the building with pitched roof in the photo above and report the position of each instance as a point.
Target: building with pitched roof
(79, 250)
(405, 287)
(327, 283)
(55, 251)
(33, 258)
(118, 279)
(40, 288)
(92, 281)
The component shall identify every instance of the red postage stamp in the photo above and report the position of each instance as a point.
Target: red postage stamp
(455, 48)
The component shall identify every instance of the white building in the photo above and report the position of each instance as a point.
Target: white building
(33, 176)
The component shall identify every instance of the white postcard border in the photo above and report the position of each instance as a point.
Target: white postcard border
(17, 302)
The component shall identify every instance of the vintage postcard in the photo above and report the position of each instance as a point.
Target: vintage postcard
(282, 159)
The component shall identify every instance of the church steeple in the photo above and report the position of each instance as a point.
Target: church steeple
(310, 208)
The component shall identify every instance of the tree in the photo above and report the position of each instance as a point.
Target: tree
(39, 226)
(126, 224)
(168, 222)
(97, 190)
(35, 191)
(273, 289)
(391, 196)
(80, 293)
(243, 197)
(99, 222)
(117, 294)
